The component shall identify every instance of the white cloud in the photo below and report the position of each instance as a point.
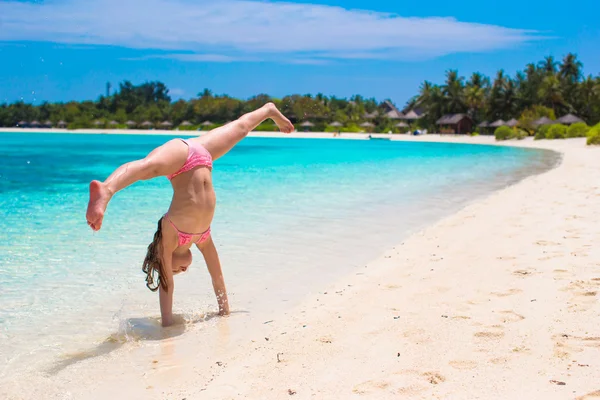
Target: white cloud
(237, 30)
(176, 92)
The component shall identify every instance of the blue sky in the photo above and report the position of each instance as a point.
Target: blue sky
(60, 50)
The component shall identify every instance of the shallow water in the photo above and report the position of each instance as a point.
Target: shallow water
(292, 216)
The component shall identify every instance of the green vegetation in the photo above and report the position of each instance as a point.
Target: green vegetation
(593, 135)
(557, 131)
(542, 132)
(530, 115)
(148, 105)
(579, 129)
(504, 133)
(546, 89)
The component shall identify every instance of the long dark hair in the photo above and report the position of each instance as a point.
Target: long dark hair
(153, 264)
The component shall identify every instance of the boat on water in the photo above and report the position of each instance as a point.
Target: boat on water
(379, 138)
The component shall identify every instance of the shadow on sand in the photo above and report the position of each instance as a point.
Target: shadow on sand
(133, 330)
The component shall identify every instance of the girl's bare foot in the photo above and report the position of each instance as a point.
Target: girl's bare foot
(282, 122)
(99, 198)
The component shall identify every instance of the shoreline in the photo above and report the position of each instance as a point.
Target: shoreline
(398, 330)
(428, 138)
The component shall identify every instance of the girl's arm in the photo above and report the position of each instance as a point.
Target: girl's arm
(209, 251)
(166, 296)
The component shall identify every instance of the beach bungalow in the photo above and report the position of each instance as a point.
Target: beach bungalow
(307, 125)
(34, 124)
(61, 124)
(497, 124)
(512, 123)
(47, 124)
(543, 121)
(455, 123)
(130, 124)
(372, 115)
(402, 126)
(166, 125)
(411, 115)
(147, 124)
(185, 123)
(336, 124)
(569, 119)
(391, 111)
(22, 124)
(484, 127)
(368, 126)
(207, 124)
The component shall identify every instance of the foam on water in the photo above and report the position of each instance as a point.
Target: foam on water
(292, 216)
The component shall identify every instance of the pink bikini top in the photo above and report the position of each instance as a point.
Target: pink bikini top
(184, 238)
(197, 156)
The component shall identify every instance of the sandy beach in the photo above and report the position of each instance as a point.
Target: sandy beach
(498, 301)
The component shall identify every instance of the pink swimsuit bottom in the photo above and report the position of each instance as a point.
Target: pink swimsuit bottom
(198, 156)
(185, 238)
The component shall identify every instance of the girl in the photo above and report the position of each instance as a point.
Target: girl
(187, 164)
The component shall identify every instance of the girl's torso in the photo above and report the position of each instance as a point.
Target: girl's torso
(193, 204)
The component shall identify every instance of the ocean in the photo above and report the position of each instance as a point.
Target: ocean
(293, 215)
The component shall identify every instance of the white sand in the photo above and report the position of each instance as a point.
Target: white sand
(499, 301)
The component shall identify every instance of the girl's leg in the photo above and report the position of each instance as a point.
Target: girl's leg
(163, 160)
(219, 141)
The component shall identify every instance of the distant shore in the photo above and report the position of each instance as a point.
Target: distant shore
(431, 137)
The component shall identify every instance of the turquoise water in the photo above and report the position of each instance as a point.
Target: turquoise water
(292, 216)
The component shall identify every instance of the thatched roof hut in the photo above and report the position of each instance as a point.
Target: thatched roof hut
(372, 115)
(401, 125)
(113, 123)
(569, 119)
(185, 123)
(48, 124)
(61, 124)
(34, 123)
(391, 111)
(98, 122)
(307, 124)
(22, 124)
(336, 124)
(367, 125)
(130, 123)
(455, 123)
(411, 115)
(498, 123)
(166, 124)
(543, 121)
(147, 124)
(207, 123)
(512, 123)
(484, 124)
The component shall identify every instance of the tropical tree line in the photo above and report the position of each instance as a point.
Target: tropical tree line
(149, 105)
(549, 87)
(560, 87)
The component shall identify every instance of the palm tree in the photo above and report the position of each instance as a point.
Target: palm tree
(475, 94)
(496, 97)
(424, 93)
(510, 99)
(551, 94)
(453, 90)
(570, 69)
(548, 65)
